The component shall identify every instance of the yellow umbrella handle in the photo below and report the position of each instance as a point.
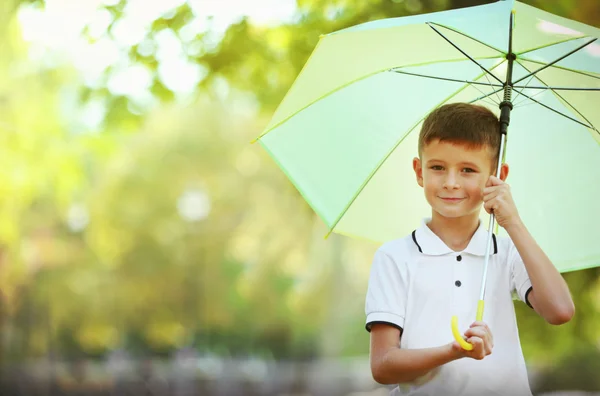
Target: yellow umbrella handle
(457, 336)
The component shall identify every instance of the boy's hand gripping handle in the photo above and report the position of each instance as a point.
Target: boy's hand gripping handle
(457, 336)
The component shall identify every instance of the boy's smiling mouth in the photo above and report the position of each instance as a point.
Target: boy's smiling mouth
(450, 199)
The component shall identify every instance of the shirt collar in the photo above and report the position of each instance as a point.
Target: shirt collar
(430, 244)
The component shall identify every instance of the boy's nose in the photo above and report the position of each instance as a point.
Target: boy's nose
(451, 182)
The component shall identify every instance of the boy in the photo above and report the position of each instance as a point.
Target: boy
(417, 283)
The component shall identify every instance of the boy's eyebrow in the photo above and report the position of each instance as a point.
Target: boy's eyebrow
(463, 163)
(470, 164)
(435, 160)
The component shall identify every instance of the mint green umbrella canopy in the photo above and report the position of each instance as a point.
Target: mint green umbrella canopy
(347, 130)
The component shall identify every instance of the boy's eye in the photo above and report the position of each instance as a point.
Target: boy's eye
(437, 167)
(468, 170)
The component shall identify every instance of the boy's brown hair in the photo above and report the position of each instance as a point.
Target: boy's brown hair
(473, 125)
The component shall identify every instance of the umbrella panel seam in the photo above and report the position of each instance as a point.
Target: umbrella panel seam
(551, 44)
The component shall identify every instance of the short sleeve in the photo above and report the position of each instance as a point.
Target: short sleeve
(520, 283)
(386, 293)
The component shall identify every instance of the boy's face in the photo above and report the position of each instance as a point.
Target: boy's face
(453, 177)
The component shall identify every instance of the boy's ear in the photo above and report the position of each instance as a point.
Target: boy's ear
(418, 170)
(503, 172)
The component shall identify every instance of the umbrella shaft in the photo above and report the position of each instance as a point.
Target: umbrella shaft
(506, 105)
(491, 225)
(505, 108)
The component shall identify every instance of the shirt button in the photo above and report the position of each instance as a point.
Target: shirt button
(458, 258)
(457, 283)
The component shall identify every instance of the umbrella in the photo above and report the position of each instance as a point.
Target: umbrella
(346, 132)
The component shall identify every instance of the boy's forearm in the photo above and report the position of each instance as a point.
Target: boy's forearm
(552, 297)
(407, 365)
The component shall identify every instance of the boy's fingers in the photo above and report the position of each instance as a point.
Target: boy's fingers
(478, 351)
(490, 181)
(489, 196)
(494, 181)
(502, 193)
(489, 189)
(490, 206)
(476, 332)
(479, 323)
(481, 330)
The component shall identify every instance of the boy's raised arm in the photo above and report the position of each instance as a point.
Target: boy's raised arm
(550, 296)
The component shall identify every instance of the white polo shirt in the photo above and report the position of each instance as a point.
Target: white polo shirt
(418, 283)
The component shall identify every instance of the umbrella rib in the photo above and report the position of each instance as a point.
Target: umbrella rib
(530, 75)
(558, 112)
(490, 98)
(384, 159)
(497, 96)
(558, 88)
(525, 98)
(495, 92)
(464, 53)
(445, 79)
(486, 95)
(556, 60)
(562, 68)
(543, 105)
(467, 36)
(522, 88)
(591, 126)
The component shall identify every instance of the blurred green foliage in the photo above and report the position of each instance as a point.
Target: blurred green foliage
(578, 369)
(160, 227)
